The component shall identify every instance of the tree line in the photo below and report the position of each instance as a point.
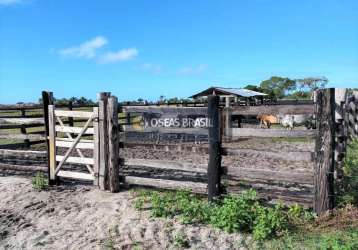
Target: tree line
(278, 87)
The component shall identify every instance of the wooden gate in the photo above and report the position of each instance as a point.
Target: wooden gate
(71, 139)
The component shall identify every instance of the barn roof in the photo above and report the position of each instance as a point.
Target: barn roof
(228, 91)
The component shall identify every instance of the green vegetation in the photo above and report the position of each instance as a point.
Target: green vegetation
(282, 87)
(39, 182)
(337, 240)
(348, 189)
(275, 227)
(181, 241)
(243, 213)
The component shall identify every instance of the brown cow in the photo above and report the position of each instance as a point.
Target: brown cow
(267, 120)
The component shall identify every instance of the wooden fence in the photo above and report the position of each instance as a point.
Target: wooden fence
(335, 110)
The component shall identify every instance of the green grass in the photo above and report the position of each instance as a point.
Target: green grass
(273, 228)
(242, 213)
(334, 240)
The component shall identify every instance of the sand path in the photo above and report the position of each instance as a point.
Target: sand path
(81, 217)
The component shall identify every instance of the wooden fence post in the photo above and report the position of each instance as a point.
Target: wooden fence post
(325, 146)
(113, 144)
(214, 166)
(26, 141)
(96, 141)
(47, 99)
(341, 131)
(103, 143)
(52, 142)
(70, 119)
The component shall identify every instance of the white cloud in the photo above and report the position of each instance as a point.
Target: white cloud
(193, 70)
(152, 68)
(85, 50)
(10, 2)
(119, 56)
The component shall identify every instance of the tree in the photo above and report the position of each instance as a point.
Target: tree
(277, 87)
(312, 83)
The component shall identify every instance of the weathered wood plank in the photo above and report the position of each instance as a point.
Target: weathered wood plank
(96, 141)
(166, 110)
(71, 113)
(289, 156)
(26, 154)
(195, 187)
(22, 136)
(78, 160)
(103, 144)
(75, 130)
(15, 126)
(273, 110)
(113, 144)
(52, 143)
(253, 132)
(168, 147)
(5, 166)
(214, 164)
(246, 174)
(163, 164)
(72, 140)
(325, 145)
(75, 175)
(174, 130)
(66, 144)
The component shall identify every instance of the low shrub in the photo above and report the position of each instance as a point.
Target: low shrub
(39, 182)
(241, 213)
(348, 188)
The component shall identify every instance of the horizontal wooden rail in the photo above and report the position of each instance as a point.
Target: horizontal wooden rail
(166, 110)
(248, 174)
(283, 155)
(163, 164)
(273, 109)
(5, 166)
(22, 136)
(193, 131)
(80, 145)
(195, 187)
(168, 147)
(14, 126)
(75, 130)
(75, 175)
(25, 154)
(77, 160)
(253, 132)
(70, 113)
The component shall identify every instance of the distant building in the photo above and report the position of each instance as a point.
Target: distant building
(231, 95)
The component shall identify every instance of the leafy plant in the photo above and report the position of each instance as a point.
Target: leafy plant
(235, 213)
(269, 222)
(39, 182)
(181, 241)
(348, 189)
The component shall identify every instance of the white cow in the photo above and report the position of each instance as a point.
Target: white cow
(290, 121)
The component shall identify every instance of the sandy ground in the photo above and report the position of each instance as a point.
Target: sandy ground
(81, 217)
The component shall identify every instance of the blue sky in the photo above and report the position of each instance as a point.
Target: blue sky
(172, 48)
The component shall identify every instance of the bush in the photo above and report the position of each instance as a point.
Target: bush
(235, 213)
(242, 213)
(348, 190)
(269, 222)
(39, 182)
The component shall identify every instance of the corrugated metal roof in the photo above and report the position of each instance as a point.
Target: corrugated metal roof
(228, 91)
(241, 92)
